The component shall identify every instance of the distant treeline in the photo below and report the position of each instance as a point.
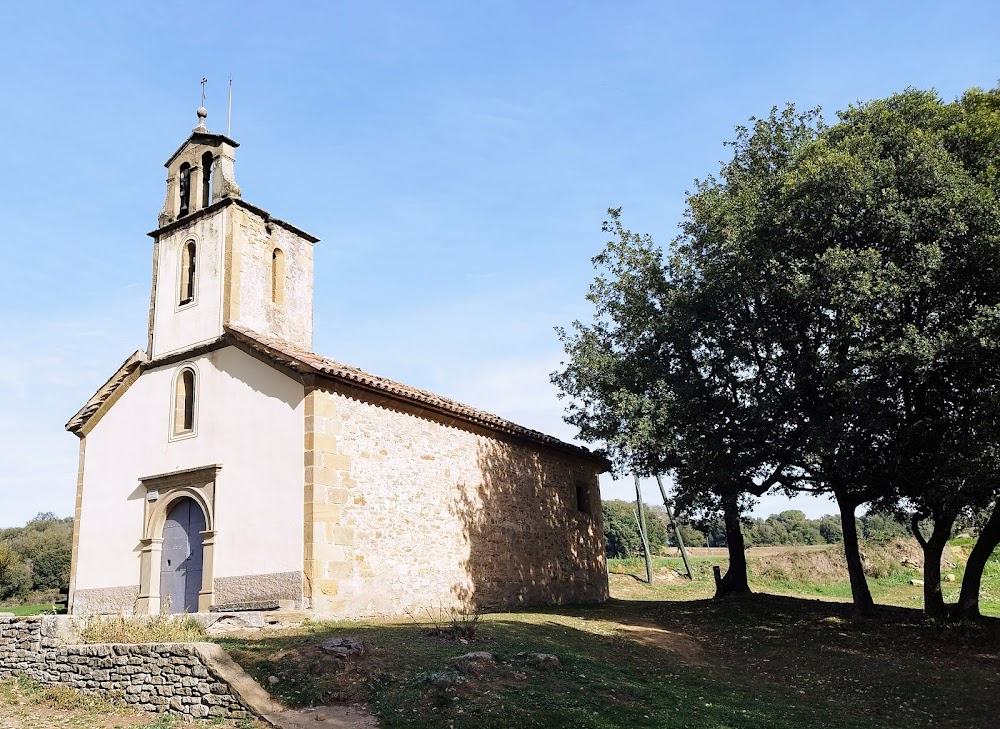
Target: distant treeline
(790, 527)
(35, 557)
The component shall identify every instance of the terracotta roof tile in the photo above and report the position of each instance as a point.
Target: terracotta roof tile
(106, 391)
(304, 362)
(309, 362)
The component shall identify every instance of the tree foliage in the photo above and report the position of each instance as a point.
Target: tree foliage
(793, 528)
(35, 557)
(828, 320)
(621, 534)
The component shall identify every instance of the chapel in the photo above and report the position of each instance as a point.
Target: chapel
(228, 467)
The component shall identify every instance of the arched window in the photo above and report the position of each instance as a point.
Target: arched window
(188, 268)
(185, 188)
(206, 179)
(184, 402)
(278, 276)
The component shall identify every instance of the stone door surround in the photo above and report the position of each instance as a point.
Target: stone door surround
(161, 492)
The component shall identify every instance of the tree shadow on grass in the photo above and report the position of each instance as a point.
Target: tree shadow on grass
(763, 661)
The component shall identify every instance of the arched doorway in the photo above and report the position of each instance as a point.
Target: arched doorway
(181, 558)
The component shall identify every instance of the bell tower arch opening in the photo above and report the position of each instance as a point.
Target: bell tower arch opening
(185, 190)
(206, 179)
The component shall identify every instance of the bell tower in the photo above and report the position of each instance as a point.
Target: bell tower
(199, 173)
(218, 260)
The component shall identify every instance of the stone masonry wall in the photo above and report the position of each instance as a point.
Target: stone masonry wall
(176, 677)
(407, 511)
(250, 298)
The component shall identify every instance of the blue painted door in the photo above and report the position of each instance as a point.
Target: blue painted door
(180, 561)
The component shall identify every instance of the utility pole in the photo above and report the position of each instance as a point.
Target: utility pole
(641, 519)
(673, 525)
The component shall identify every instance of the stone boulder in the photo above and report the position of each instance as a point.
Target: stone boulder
(344, 648)
(473, 664)
(543, 661)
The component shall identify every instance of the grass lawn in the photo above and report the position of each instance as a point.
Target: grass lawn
(664, 655)
(31, 609)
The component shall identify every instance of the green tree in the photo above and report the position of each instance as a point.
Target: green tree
(643, 381)
(828, 321)
(830, 529)
(15, 578)
(873, 282)
(882, 527)
(692, 537)
(44, 547)
(621, 534)
(883, 201)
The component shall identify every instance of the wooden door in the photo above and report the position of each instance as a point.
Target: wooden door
(181, 559)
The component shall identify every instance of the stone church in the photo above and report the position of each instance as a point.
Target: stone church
(229, 467)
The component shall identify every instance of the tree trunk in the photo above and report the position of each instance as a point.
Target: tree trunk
(933, 550)
(863, 602)
(968, 601)
(735, 580)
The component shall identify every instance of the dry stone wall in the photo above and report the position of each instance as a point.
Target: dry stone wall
(177, 677)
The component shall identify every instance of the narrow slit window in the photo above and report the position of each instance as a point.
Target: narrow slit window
(206, 179)
(582, 498)
(188, 268)
(278, 276)
(184, 402)
(185, 190)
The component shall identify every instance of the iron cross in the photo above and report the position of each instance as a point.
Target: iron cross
(203, 82)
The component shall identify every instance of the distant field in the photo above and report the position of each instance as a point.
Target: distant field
(814, 571)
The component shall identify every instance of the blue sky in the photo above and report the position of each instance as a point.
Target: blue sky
(456, 160)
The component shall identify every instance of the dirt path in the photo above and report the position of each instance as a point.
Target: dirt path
(689, 649)
(326, 717)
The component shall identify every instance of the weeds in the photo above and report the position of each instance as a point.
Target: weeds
(451, 624)
(67, 699)
(27, 690)
(162, 721)
(145, 629)
(625, 565)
